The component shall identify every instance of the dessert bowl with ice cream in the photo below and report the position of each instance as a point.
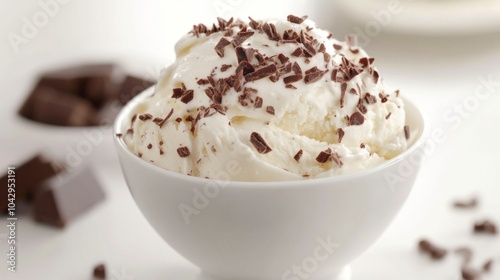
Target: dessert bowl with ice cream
(270, 150)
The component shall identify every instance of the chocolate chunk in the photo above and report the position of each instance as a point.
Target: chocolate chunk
(219, 48)
(28, 177)
(261, 73)
(337, 47)
(485, 226)
(341, 133)
(100, 271)
(224, 68)
(183, 151)
(131, 87)
(313, 75)
(66, 196)
(471, 203)
(283, 58)
(434, 251)
(50, 106)
(356, 119)
(270, 110)
(407, 132)
(298, 155)
(259, 143)
(296, 19)
(298, 52)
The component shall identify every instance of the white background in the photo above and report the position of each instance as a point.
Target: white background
(441, 72)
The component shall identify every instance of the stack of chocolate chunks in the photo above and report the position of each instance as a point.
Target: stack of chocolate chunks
(55, 194)
(81, 95)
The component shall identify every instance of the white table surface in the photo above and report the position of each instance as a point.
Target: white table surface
(439, 72)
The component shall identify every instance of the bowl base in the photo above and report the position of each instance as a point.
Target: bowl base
(345, 274)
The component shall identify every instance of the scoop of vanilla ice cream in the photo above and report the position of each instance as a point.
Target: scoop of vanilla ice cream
(268, 101)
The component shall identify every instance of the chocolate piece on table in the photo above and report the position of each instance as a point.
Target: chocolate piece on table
(485, 226)
(434, 251)
(131, 87)
(93, 82)
(63, 198)
(59, 108)
(100, 272)
(28, 177)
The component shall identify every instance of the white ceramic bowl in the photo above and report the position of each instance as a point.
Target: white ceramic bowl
(310, 229)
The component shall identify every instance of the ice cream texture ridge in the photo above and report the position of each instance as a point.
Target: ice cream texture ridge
(272, 100)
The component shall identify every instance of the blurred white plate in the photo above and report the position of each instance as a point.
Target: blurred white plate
(432, 17)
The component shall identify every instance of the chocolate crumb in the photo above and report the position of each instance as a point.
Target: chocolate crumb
(388, 116)
(213, 149)
(259, 143)
(341, 134)
(290, 86)
(485, 226)
(324, 156)
(139, 155)
(362, 145)
(337, 47)
(407, 132)
(183, 151)
(150, 146)
(161, 152)
(178, 120)
(270, 110)
(298, 155)
(356, 119)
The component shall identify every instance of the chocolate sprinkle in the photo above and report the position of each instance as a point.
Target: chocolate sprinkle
(298, 155)
(259, 143)
(407, 132)
(270, 110)
(183, 151)
(356, 119)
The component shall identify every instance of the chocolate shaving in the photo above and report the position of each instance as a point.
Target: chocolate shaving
(145, 117)
(292, 79)
(383, 98)
(244, 54)
(407, 132)
(337, 47)
(224, 67)
(324, 156)
(290, 86)
(341, 134)
(202, 82)
(298, 155)
(343, 89)
(187, 96)
(160, 121)
(177, 92)
(388, 116)
(336, 158)
(270, 110)
(219, 48)
(298, 52)
(261, 73)
(183, 151)
(258, 102)
(283, 58)
(370, 99)
(356, 119)
(313, 75)
(241, 37)
(259, 143)
(245, 68)
(296, 19)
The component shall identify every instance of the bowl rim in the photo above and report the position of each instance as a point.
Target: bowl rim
(120, 145)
